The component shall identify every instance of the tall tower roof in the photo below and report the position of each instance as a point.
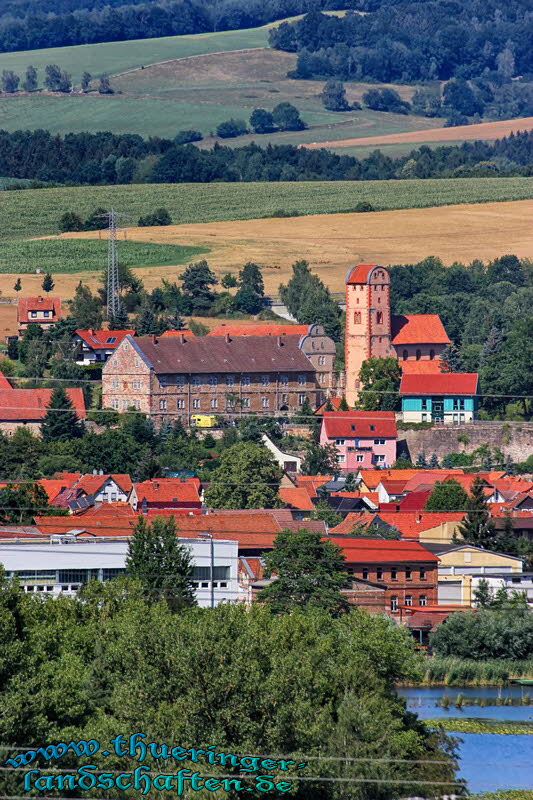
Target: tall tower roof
(360, 273)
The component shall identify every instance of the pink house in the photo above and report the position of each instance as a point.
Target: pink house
(364, 439)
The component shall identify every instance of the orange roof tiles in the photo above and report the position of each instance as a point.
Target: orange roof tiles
(359, 424)
(408, 523)
(334, 402)
(430, 367)
(108, 340)
(418, 329)
(52, 487)
(382, 551)
(360, 273)
(445, 383)
(371, 477)
(4, 383)
(30, 405)
(92, 483)
(311, 483)
(297, 498)
(28, 304)
(168, 490)
(263, 329)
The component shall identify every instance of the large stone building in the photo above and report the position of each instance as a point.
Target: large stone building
(173, 377)
(372, 331)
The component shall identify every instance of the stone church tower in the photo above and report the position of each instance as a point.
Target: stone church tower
(368, 321)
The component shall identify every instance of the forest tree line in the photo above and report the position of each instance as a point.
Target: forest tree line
(28, 25)
(412, 41)
(107, 158)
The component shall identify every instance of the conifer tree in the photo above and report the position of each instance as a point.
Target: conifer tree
(60, 422)
(163, 566)
(343, 405)
(477, 528)
(119, 321)
(17, 286)
(48, 283)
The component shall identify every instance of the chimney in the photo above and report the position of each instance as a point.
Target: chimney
(226, 338)
(154, 338)
(182, 338)
(280, 341)
(91, 332)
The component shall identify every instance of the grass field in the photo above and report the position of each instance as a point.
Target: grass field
(31, 213)
(67, 256)
(331, 243)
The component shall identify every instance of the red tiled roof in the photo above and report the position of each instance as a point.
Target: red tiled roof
(263, 329)
(371, 477)
(410, 524)
(360, 273)
(27, 304)
(311, 483)
(52, 487)
(382, 551)
(98, 340)
(445, 383)
(91, 483)
(30, 405)
(368, 424)
(168, 490)
(253, 565)
(418, 329)
(297, 498)
(334, 402)
(426, 481)
(183, 331)
(4, 383)
(430, 367)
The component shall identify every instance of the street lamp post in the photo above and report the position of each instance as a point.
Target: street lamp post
(212, 568)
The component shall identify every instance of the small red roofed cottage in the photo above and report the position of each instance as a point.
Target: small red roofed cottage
(29, 406)
(363, 439)
(43, 311)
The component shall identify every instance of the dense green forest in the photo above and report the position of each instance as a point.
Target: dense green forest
(412, 41)
(35, 24)
(84, 158)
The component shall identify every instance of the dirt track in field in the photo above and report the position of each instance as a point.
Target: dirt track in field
(485, 130)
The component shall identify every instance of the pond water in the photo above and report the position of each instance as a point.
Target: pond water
(488, 761)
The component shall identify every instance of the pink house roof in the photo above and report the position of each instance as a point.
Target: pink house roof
(27, 304)
(98, 340)
(359, 424)
(418, 329)
(445, 383)
(30, 405)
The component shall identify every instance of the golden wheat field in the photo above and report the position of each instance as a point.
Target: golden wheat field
(330, 242)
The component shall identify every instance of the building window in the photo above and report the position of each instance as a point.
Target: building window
(341, 458)
(163, 381)
(405, 354)
(162, 405)
(418, 355)
(393, 573)
(372, 427)
(379, 317)
(284, 399)
(196, 402)
(422, 600)
(196, 380)
(424, 417)
(408, 599)
(302, 380)
(284, 379)
(394, 603)
(422, 573)
(124, 404)
(365, 574)
(230, 380)
(425, 404)
(458, 404)
(379, 441)
(359, 459)
(339, 441)
(301, 399)
(180, 403)
(245, 380)
(379, 459)
(379, 573)
(431, 355)
(212, 380)
(180, 381)
(407, 573)
(357, 317)
(46, 313)
(246, 402)
(321, 361)
(264, 402)
(114, 383)
(214, 402)
(136, 383)
(33, 314)
(265, 380)
(114, 403)
(137, 404)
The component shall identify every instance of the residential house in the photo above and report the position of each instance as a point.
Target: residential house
(96, 346)
(459, 563)
(445, 398)
(373, 332)
(287, 461)
(28, 407)
(406, 569)
(43, 311)
(176, 377)
(169, 493)
(362, 439)
(424, 526)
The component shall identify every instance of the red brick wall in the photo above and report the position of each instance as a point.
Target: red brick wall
(401, 586)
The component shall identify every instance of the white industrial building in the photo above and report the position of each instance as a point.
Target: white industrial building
(63, 563)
